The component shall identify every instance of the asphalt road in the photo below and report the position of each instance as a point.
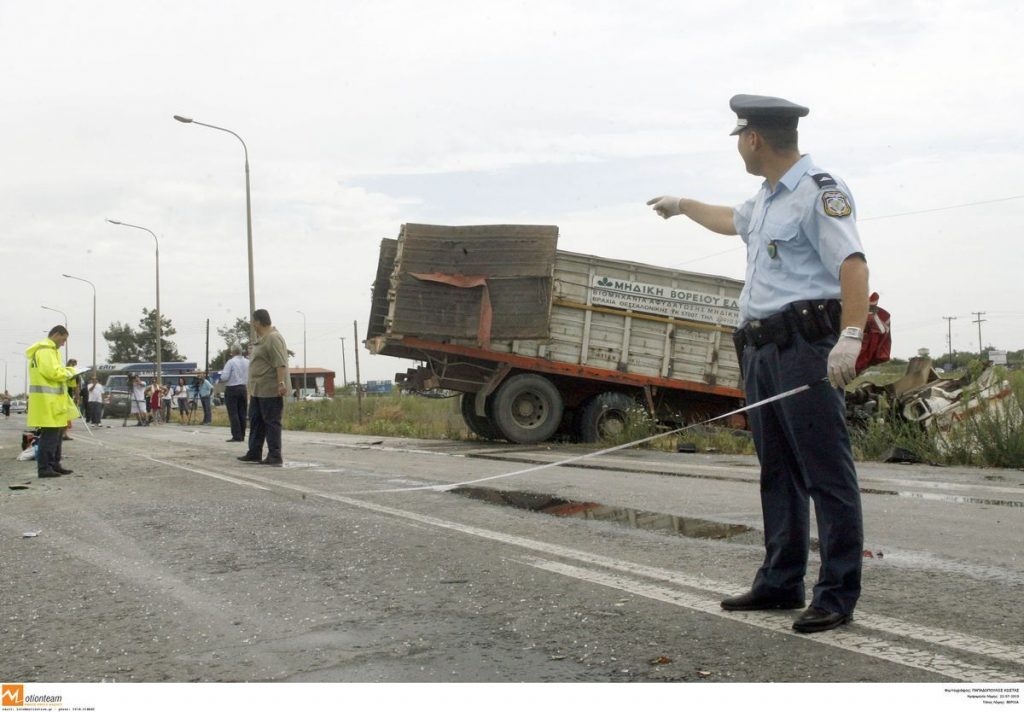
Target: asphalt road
(163, 558)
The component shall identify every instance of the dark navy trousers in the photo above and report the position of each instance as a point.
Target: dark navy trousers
(236, 400)
(265, 426)
(804, 449)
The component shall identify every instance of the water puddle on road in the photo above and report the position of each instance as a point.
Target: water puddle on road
(623, 516)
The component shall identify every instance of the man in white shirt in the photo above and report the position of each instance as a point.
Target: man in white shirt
(94, 406)
(235, 376)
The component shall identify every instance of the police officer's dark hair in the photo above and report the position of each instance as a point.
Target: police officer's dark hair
(780, 139)
(262, 317)
(58, 330)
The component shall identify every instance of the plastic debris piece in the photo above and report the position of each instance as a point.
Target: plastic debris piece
(29, 535)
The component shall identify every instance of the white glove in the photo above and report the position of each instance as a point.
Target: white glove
(666, 205)
(842, 361)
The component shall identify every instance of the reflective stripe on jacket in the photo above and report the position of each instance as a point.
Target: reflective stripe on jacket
(49, 405)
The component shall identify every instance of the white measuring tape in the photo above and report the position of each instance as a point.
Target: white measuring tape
(598, 453)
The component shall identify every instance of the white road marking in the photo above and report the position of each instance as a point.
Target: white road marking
(861, 644)
(842, 638)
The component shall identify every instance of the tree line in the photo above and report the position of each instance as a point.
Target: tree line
(126, 344)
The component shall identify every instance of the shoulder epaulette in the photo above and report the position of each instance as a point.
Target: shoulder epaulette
(824, 180)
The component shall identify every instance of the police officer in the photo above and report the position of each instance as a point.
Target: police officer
(50, 408)
(802, 310)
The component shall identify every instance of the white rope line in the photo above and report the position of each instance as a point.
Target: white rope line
(589, 455)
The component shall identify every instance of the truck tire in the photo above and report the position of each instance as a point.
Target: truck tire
(604, 416)
(481, 427)
(527, 409)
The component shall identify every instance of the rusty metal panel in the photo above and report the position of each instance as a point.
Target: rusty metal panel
(515, 261)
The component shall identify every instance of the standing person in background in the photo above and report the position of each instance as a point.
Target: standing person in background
(204, 390)
(138, 396)
(166, 400)
(7, 404)
(50, 408)
(235, 376)
(181, 395)
(94, 408)
(268, 385)
(155, 411)
(803, 308)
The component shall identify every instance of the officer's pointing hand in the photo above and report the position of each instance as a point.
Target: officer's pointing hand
(665, 205)
(842, 361)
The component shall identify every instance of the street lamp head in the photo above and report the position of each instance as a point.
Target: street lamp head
(183, 119)
(113, 222)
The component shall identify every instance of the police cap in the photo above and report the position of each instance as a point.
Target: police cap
(765, 111)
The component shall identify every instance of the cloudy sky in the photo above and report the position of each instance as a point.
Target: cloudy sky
(361, 116)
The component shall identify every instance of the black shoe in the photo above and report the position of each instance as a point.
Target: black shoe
(62, 471)
(246, 458)
(234, 440)
(273, 462)
(49, 473)
(750, 601)
(815, 620)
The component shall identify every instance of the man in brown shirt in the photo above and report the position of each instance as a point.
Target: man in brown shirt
(268, 384)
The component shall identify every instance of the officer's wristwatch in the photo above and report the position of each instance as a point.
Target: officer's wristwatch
(852, 332)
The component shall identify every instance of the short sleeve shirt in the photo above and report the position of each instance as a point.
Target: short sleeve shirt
(797, 238)
(269, 354)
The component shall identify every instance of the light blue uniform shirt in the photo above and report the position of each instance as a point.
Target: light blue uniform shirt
(811, 230)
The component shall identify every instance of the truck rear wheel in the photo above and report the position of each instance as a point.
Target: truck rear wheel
(481, 427)
(527, 409)
(604, 416)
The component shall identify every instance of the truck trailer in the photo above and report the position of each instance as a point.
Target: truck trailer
(540, 341)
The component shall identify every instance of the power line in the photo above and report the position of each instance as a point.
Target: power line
(878, 217)
(948, 207)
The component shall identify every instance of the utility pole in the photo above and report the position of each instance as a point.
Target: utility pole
(979, 321)
(949, 337)
(207, 369)
(344, 376)
(359, 389)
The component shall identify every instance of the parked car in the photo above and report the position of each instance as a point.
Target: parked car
(316, 397)
(19, 406)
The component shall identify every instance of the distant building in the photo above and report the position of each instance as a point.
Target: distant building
(317, 380)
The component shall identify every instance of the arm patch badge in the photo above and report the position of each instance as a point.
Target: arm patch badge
(837, 205)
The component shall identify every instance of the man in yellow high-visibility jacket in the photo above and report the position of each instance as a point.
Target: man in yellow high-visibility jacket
(49, 406)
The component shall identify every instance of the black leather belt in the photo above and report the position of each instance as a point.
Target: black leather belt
(812, 319)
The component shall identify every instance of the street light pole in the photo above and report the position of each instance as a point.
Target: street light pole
(22, 343)
(248, 219)
(159, 325)
(305, 373)
(93, 318)
(65, 328)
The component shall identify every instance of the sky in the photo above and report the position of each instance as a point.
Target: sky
(362, 116)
